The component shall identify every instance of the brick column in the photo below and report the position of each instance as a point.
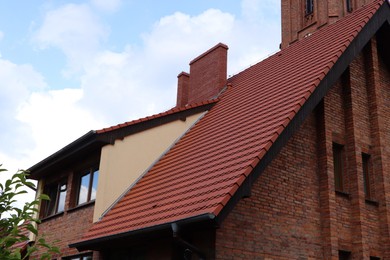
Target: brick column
(378, 128)
(354, 159)
(326, 173)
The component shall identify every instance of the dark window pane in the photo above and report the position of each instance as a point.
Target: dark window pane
(50, 205)
(309, 6)
(338, 164)
(349, 6)
(366, 174)
(57, 194)
(83, 190)
(344, 255)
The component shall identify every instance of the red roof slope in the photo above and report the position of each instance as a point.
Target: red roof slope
(201, 173)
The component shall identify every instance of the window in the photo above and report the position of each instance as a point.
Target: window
(309, 7)
(79, 257)
(57, 194)
(349, 6)
(338, 164)
(344, 255)
(366, 174)
(87, 186)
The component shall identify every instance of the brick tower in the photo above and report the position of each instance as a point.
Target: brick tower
(302, 17)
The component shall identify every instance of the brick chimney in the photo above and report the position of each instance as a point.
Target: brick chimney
(207, 77)
(183, 82)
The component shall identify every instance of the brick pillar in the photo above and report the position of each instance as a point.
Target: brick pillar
(183, 82)
(377, 119)
(354, 159)
(327, 194)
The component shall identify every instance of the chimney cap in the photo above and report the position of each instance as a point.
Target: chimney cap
(183, 73)
(210, 50)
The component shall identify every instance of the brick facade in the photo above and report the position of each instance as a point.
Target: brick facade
(296, 24)
(294, 211)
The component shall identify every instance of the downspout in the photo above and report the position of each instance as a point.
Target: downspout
(189, 247)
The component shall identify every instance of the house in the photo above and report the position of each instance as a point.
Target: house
(289, 159)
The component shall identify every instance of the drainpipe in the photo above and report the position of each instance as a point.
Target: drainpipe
(189, 247)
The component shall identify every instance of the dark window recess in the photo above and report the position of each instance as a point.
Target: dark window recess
(309, 6)
(375, 258)
(338, 163)
(349, 6)
(57, 194)
(79, 257)
(366, 174)
(344, 255)
(87, 186)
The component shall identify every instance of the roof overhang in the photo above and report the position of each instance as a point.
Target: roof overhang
(135, 236)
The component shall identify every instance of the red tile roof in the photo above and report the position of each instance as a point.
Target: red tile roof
(202, 172)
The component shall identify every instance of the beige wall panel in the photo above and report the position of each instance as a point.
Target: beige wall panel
(124, 162)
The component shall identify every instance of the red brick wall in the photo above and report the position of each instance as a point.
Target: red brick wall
(281, 219)
(296, 25)
(294, 211)
(208, 74)
(67, 228)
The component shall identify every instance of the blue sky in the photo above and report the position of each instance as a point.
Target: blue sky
(67, 67)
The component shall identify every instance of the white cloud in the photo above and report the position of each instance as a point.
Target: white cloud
(116, 86)
(107, 5)
(75, 30)
(137, 81)
(55, 120)
(16, 84)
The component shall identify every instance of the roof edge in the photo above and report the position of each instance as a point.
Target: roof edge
(67, 150)
(94, 243)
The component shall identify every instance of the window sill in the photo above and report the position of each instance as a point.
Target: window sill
(372, 202)
(52, 216)
(84, 205)
(343, 194)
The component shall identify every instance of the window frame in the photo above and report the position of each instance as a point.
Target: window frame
(92, 173)
(78, 257)
(309, 7)
(54, 190)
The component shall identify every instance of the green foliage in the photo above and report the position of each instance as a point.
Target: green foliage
(17, 219)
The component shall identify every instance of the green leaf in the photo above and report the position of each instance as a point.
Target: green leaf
(32, 229)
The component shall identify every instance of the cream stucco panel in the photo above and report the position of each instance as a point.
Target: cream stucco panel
(122, 163)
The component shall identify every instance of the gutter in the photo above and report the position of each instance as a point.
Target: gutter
(96, 243)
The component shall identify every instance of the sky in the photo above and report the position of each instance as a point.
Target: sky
(68, 67)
